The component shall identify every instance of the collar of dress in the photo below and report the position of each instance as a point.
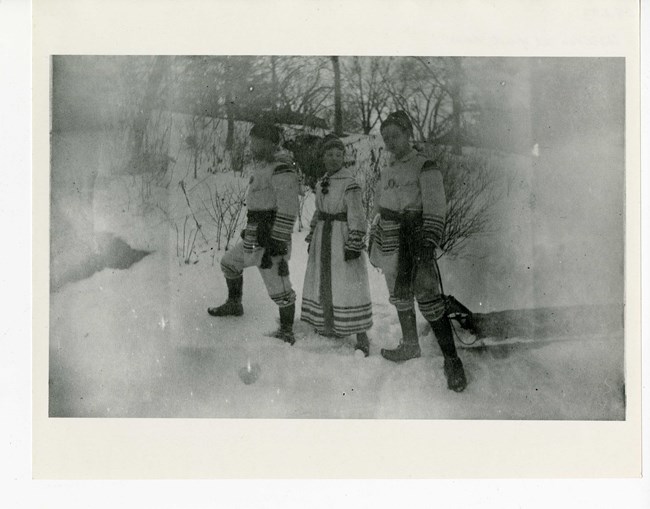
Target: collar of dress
(342, 173)
(410, 155)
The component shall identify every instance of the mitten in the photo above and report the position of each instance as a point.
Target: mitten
(350, 254)
(277, 248)
(283, 268)
(266, 262)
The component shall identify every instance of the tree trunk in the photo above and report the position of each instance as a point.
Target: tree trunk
(230, 134)
(230, 103)
(457, 147)
(338, 112)
(160, 67)
(456, 104)
(274, 83)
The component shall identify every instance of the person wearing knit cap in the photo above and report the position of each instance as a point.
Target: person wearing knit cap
(336, 293)
(273, 202)
(410, 209)
(266, 131)
(332, 141)
(400, 119)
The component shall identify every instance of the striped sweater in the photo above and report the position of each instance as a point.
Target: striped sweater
(274, 186)
(410, 184)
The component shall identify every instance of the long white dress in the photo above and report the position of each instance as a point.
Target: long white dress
(336, 294)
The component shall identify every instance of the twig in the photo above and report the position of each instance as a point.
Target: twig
(198, 226)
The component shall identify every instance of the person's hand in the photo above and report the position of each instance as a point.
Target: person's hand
(350, 254)
(277, 248)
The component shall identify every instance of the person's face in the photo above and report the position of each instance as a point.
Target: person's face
(333, 160)
(395, 139)
(261, 148)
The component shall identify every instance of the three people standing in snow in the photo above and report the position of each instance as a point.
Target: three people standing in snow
(410, 208)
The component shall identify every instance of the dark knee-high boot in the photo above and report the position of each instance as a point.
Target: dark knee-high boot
(233, 306)
(454, 371)
(409, 347)
(363, 344)
(285, 332)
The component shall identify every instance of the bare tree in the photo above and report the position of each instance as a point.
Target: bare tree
(226, 208)
(338, 114)
(302, 85)
(432, 92)
(239, 72)
(160, 67)
(366, 94)
(455, 92)
(473, 188)
(419, 91)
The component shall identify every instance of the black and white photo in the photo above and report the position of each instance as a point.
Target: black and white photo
(337, 237)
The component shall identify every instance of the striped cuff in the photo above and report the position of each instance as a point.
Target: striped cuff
(355, 241)
(282, 228)
(284, 299)
(432, 228)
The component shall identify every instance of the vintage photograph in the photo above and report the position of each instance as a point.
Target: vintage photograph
(337, 237)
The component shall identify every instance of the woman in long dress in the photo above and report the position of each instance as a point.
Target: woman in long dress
(336, 294)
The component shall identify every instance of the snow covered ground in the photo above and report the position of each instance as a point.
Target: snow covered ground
(139, 343)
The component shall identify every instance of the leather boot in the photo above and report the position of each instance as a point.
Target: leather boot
(285, 332)
(454, 371)
(409, 347)
(363, 344)
(233, 306)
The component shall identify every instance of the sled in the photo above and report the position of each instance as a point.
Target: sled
(538, 326)
(461, 314)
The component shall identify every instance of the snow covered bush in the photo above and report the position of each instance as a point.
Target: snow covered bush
(196, 135)
(302, 201)
(225, 206)
(370, 173)
(185, 241)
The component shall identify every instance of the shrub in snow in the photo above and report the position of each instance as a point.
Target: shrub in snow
(473, 188)
(225, 207)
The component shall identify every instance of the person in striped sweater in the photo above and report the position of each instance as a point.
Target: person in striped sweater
(272, 201)
(410, 204)
(336, 294)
